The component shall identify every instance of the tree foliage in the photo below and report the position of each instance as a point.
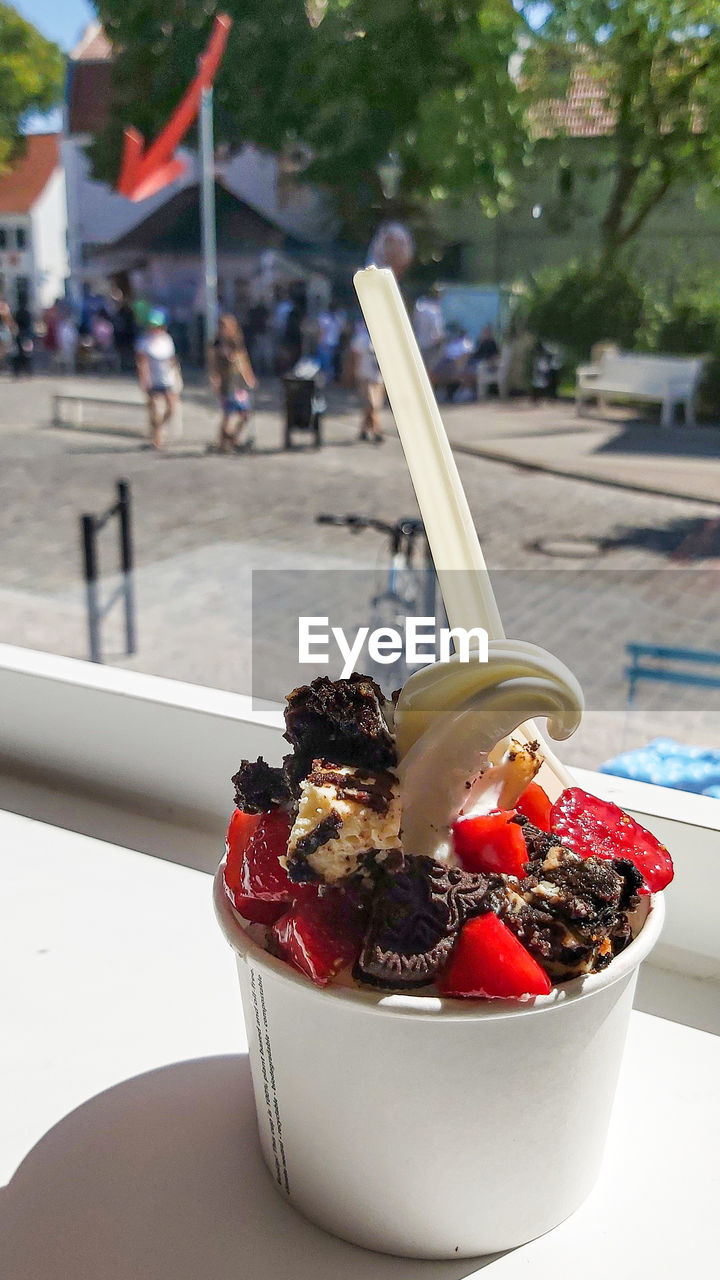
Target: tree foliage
(31, 76)
(656, 66)
(579, 305)
(428, 79)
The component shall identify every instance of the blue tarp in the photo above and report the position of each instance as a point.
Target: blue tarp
(667, 763)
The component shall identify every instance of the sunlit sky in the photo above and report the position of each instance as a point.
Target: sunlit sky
(59, 20)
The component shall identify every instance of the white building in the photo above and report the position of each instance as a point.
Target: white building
(33, 226)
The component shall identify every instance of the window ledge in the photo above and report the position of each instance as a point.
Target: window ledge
(146, 762)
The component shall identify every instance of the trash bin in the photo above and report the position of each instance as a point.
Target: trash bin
(304, 401)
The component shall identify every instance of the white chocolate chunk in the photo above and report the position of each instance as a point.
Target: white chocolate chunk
(343, 799)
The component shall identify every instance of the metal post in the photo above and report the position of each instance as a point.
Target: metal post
(434, 607)
(209, 241)
(88, 539)
(126, 561)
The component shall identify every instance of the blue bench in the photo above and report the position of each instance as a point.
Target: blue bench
(658, 662)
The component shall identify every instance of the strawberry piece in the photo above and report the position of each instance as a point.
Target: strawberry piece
(255, 843)
(599, 828)
(488, 960)
(320, 936)
(240, 829)
(491, 842)
(257, 910)
(535, 805)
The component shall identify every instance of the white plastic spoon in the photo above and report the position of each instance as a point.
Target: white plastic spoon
(459, 561)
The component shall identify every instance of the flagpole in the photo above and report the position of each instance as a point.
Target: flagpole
(209, 240)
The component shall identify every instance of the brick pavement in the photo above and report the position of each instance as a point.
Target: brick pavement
(202, 523)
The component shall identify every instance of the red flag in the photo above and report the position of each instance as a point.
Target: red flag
(142, 173)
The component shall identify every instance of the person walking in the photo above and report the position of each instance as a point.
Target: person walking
(369, 384)
(233, 379)
(158, 373)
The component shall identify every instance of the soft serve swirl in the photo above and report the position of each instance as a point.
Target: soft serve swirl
(452, 721)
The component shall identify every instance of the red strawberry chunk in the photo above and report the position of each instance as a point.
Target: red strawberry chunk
(255, 842)
(321, 936)
(488, 960)
(535, 805)
(257, 910)
(491, 842)
(261, 875)
(241, 827)
(599, 828)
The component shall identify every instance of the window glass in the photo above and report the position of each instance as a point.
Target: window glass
(20, 237)
(601, 528)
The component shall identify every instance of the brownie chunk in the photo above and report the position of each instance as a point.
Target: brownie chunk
(259, 787)
(415, 917)
(339, 720)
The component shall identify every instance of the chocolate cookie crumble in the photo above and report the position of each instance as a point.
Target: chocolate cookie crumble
(259, 787)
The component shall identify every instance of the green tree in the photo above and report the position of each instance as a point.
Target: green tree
(31, 76)
(427, 79)
(656, 64)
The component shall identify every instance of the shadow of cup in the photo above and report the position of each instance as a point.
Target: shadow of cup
(161, 1178)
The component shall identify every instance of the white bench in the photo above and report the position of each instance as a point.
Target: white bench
(667, 380)
(105, 414)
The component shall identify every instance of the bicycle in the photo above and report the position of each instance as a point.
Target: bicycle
(410, 590)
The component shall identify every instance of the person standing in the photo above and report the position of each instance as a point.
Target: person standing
(22, 359)
(329, 325)
(282, 309)
(232, 377)
(259, 338)
(125, 329)
(67, 340)
(429, 327)
(369, 384)
(158, 373)
(484, 361)
(7, 330)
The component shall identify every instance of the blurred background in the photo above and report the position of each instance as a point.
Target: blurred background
(177, 312)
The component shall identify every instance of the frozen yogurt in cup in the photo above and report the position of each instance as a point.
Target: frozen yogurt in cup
(430, 1127)
(394, 1114)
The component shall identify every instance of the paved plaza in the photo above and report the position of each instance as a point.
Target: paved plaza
(588, 546)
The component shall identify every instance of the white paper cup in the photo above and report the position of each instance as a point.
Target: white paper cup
(428, 1127)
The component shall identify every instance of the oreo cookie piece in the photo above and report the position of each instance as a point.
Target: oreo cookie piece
(570, 912)
(415, 917)
(339, 720)
(588, 891)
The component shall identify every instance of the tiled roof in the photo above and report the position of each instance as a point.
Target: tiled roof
(583, 112)
(21, 186)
